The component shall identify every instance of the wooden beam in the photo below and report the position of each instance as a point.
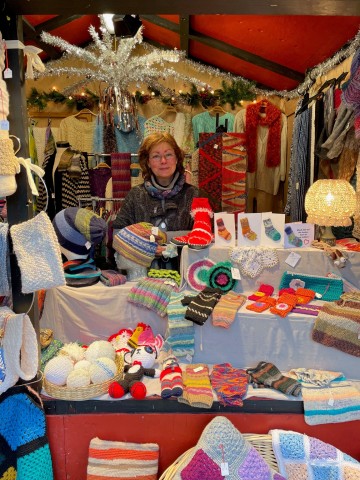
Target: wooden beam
(55, 22)
(184, 33)
(161, 22)
(188, 7)
(246, 56)
(30, 34)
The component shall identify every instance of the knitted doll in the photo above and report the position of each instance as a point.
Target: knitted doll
(142, 361)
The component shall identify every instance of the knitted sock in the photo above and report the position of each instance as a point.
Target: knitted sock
(246, 230)
(201, 307)
(180, 332)
(171, 378)
(197, 387)
(264, 290)
(285, 303)
(266, 373)
(222, 230)
(229, 383)
(225, 310)
(270, 230)
(261, 305)
(293, 239)
(304, 296)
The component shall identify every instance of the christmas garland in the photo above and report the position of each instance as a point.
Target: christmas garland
(230, 93)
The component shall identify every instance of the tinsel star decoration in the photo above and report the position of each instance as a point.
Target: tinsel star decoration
(113, 61)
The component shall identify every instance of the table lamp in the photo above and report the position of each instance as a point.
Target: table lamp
(330, 203)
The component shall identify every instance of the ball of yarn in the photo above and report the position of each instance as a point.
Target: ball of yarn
(83, 364)
(79, 377)
(74, 351)
(102, 369)
(98, 349)
(116, 390)
(57, 370)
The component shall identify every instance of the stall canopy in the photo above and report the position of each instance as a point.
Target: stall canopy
(273, 43)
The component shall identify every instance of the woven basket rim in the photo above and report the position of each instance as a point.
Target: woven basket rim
(262, 443)
(84, 393)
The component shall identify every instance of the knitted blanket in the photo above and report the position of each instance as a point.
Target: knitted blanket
(338, 325)
(335, 403)
(300, 457)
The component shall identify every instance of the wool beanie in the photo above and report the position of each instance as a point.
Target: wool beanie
(38, 254)
(137, 243)
(78, 229)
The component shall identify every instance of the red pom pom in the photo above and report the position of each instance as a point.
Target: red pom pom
(116, 390)
(138, 391)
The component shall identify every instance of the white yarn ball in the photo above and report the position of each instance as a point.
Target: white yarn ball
(83, 364)
(100, 348)
(79, 377)
(74, 351)
(102, 369)
(57, 369)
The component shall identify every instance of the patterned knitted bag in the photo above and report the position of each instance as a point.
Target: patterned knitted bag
(122, 460)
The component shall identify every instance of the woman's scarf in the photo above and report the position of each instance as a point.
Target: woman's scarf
(160, 192)
(272, 119)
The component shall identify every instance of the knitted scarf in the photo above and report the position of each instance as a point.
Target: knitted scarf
(272, 119)
(157, 191)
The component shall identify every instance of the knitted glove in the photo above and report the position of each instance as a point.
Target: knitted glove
(285, 303)
(201, 307)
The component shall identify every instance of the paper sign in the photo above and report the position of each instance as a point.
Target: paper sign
(293, 259)
(7, 73)
(198, 369)
(235, 273)
(155, 230)
(224, 469)
(88, 245)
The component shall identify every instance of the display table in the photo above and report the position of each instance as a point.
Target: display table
(96, 312)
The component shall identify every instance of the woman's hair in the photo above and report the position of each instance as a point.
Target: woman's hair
(154, 139)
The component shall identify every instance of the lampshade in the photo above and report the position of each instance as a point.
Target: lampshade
(330, 203)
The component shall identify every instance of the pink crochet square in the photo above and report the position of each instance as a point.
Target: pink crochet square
(201, 467)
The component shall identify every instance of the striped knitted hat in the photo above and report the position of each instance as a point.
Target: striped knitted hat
(78, 229)
(137, 243)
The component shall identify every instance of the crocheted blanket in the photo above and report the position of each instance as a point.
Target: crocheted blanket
(338, 325)
(335, 403)
(302, 457)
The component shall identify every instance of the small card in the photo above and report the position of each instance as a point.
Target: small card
(224, 466)
(189, 358)
(4, 125)
(155, 230)
(235, 273)
(7, 73)
(331, 402)
(298, 235)
(198, 369)
(88, 245)
(293, 259)
(224, 229)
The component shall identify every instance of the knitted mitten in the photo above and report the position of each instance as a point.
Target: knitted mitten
(201, 307)
(225, 310)
(293, 239)
(246, 230)
(197, 386)
(262, 304)
(304, 295)
(268, 374)
(171, 378)
(229, 383)
(201, 234)
(264, 290)
(270, 230)
(285, 303)
(222, 230)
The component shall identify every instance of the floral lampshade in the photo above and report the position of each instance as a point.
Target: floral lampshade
(330, 203)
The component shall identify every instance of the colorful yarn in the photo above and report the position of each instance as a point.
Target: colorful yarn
(197, 273)
(181, 332)
(219, 276)
(162, 273)
(197, 388)
(111, 278)
(301, 457)
(268, 375)
(229, 383)
(122, 460)
(152, 293)
(225, 310)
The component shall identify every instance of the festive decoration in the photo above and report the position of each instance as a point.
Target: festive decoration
(39, 100)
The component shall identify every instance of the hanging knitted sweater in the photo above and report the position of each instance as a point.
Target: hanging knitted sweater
(180, 129)
(79, 134)
(206, 123)
(24, 446)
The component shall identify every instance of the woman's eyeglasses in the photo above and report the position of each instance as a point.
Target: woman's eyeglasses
(157, 158)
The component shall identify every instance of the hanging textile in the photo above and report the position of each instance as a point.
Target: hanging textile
(210, 167)
(120, 173)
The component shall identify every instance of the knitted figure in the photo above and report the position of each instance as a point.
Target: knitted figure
(270, 230)
(201, 234)
(293, 239)
(222, 230)
(142, 362)
(171, 378)
(120, 340)
(246, 230)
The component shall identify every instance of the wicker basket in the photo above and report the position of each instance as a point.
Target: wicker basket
(262, 443)
(84, 393)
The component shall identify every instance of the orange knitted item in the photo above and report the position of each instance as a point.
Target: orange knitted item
(261, 305)
(304, 295)
(285, 303)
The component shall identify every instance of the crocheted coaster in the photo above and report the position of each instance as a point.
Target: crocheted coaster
(219, 276)
(196, 273)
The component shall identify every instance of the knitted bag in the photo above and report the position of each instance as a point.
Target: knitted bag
(120, 460)
(325, 288)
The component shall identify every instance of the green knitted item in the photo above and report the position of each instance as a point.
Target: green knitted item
(164, 274)
(219, 276)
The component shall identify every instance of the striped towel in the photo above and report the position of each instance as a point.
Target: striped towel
(335, 403)
(122, 460)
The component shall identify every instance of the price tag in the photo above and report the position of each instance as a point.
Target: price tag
(155, 230)
(331, 402)
(198, 369)
(88, 245)
(7, 73)
(216, 146)
(224, 466)
(235, 273)
(293, 259)
(152, 238)
(53, 195)
(4, 125)
(189, 358)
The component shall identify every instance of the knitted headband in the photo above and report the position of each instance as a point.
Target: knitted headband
(35, 244)
(134, 242)
(197, 273)
(219, 276)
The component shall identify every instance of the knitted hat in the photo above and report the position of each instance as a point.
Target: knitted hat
(38, 254)
(137, 243)
(78, 229)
